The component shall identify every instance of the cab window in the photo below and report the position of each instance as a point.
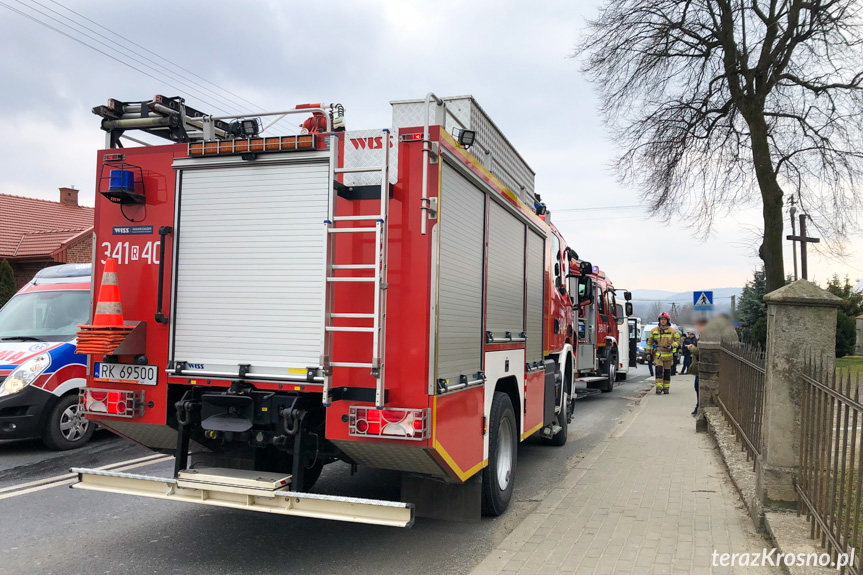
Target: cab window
(555, 258)
(602, 306)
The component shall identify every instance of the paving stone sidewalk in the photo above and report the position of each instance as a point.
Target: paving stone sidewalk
(654, 497)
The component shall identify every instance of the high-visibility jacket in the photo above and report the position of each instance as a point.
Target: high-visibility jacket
(664, 341)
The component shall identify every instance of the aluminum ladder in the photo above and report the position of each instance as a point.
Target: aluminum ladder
(378, 278)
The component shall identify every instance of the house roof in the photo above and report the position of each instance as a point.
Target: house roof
(32, 228)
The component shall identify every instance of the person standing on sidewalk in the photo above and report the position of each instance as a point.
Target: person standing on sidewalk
(665, 341)
(687, 355)
(693, 351)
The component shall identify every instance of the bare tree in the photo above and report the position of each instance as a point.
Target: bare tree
(720, 103)
(656, 308)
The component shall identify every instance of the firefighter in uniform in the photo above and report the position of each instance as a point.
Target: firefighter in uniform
(664, 340)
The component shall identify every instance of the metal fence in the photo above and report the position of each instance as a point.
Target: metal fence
(831, 463)
(741, 393)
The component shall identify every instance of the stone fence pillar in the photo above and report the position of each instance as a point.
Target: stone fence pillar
(718, 330)
(801, 319)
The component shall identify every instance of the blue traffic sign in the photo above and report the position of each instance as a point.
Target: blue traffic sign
(702, 300)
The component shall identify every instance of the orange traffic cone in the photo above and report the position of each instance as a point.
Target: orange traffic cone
(109, 311)
(108, 330)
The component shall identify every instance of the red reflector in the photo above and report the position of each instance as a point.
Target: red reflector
(112, 402)
(397, 423)
(417, 136)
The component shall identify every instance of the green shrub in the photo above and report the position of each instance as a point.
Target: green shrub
(846, 335)
(7, 282)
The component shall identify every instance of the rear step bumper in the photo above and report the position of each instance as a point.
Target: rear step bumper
(281, 501)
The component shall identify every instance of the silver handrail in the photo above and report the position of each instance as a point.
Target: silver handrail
(426, 149)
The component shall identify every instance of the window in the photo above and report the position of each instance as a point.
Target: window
(620, 314)
(602, 306)
(45, 315)
(555, 258)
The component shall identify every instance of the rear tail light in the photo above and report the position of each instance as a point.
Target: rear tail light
(401, 423)
(117, 403)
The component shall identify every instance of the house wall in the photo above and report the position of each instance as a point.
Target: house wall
(25, 270)
(81, 252)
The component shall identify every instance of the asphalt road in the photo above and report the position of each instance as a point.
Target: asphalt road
(47, 528)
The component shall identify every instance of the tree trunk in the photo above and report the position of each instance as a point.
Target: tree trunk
(771, 205)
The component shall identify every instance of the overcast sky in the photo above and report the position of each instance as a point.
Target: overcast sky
(512, 56)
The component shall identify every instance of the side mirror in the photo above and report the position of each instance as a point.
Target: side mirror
(585, 290)
(557, 269)
(585, 268)
(628, 308)
(627, 295)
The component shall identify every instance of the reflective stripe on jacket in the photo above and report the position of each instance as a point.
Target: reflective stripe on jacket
(662, 338)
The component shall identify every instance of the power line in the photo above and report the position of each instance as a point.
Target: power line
(230, 101)
(133, 56)
(597, 208)
(596, 219)
(47, 25)
(113, 56)
(155, 54)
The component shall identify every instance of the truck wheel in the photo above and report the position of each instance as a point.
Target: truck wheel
(562, 418)
(611, 370)
(311, 475)
(66, 427)
(498, 478)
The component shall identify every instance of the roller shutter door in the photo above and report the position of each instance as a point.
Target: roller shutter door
(535, 293)
(505, 307)
(459, 346)
(250, 259)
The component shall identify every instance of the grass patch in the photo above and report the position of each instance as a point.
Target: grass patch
(850, 362)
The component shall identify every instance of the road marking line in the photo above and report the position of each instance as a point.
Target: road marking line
(69, 478)
(68, 475)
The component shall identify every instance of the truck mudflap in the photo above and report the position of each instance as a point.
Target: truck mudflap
(252, 491)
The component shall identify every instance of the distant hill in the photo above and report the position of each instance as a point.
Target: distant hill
(644, 302)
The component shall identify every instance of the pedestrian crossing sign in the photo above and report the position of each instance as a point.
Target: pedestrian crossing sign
(702, 300)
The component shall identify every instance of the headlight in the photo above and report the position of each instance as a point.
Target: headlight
(25, 374)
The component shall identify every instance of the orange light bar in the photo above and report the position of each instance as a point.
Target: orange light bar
(274, 144)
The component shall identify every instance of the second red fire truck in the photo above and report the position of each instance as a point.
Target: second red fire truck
(395, 299)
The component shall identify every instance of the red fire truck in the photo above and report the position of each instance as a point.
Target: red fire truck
(394, 299)
(600, 350)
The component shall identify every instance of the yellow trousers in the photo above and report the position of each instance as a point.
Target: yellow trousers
(662, 370)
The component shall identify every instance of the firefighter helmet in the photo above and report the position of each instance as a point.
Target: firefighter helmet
(664, 315)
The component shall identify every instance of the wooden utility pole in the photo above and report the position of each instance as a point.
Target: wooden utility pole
(803, 239)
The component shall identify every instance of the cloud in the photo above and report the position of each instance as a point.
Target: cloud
(512, 56)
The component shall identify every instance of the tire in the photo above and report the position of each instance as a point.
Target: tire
(311, 475)
(65, 427)
(562, 419)
(610, 371)
(498, 478)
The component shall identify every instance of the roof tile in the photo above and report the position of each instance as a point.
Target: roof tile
(31, 227)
